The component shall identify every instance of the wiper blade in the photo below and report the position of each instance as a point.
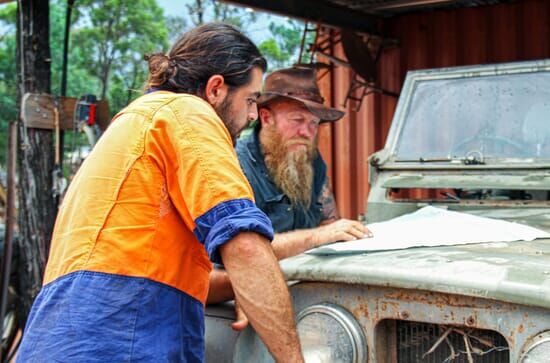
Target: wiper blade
(424, 160)
(469, 160)
(472, 160)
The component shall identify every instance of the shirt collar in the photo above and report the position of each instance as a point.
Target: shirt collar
(253, 146)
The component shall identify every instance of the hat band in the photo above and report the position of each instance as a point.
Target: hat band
(310, 96)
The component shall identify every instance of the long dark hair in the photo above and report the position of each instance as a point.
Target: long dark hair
(202, 52)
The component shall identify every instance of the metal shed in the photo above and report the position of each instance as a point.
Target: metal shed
(427, 34)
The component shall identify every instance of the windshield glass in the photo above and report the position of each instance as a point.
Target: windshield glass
(503, 116)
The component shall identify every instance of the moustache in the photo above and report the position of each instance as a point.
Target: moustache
(299, 141)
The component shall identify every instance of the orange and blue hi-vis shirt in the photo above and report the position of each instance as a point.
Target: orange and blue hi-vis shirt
(131, 252)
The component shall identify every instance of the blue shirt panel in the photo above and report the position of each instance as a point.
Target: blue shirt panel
(223, 222)
(97, 317)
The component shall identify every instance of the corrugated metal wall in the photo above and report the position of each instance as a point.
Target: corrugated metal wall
(492, 34)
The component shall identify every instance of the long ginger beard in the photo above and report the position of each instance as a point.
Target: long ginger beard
(291, 171)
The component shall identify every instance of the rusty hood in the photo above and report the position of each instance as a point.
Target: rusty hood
(516, 272)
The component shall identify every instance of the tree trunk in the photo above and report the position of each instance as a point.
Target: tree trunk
(37, 205)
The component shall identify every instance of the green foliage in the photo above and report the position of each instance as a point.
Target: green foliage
(204, 11)
(8, 75)
(282, 49)
(110, 37)
(115, 34)
(108, 41)
(177, 25)
(79, 80)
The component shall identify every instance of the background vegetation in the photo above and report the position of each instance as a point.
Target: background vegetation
(110, 37)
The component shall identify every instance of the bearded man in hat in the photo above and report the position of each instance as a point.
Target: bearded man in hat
(287, 173)
(285, 169)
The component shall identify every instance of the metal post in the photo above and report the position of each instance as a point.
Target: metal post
(70, 4)
(64, 72)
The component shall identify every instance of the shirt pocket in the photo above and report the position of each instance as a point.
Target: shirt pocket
(280, 212)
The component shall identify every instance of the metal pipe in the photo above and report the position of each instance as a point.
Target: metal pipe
(60, 136)
(10, 223)
(400, 4)
(70, 4)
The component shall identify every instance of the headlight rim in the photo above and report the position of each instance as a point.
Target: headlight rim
(347, 321)
(532, 343)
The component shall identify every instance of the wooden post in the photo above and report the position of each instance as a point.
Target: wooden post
(11, 221)
(37, 206)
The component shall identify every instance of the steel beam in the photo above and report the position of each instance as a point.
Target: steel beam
(317, 11)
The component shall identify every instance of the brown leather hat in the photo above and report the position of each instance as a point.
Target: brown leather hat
(298, 84)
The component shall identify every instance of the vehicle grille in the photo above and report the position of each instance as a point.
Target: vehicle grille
(448, 344)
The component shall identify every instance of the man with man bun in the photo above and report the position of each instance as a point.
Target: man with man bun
(159, 199)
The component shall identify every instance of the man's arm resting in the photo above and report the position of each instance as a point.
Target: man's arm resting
(290, 244)
(295, 242)
(261, 291)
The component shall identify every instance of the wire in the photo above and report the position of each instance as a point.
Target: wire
(21, 46)
(73, 138)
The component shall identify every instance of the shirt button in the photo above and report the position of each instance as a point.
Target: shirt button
(289, 209)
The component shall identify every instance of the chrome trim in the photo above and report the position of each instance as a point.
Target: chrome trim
(347, 321)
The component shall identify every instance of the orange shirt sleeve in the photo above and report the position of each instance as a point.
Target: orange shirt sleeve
(204, 178)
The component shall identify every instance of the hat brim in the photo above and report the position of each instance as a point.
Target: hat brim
(326, 114)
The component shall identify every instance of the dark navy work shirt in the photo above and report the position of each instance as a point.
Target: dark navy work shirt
(269, 198)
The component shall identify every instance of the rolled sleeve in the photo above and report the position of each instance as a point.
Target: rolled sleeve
(223, 222)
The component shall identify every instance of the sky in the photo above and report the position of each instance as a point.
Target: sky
(173, 7)
(258, 32)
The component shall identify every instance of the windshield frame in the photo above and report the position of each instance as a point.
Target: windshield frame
(414, 78)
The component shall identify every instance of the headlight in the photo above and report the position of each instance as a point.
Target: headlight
(537, 350)
(328, 333)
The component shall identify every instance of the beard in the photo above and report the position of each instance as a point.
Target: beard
(292, 171)
(228, 118)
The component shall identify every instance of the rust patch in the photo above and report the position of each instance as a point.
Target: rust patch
(521, 328)
(362, 310)
(365, 310)
(435, 298)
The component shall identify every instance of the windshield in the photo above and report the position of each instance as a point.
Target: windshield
(503, 116)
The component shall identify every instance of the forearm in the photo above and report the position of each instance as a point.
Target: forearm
(284, 245)
(294, 242)
(262, 292)
(290, 244)
(220, 288)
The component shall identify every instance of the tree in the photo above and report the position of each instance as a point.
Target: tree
(37, 204)
(203, 11)
(282, 49)
(80, 81)
(177, 25)
(8, 74)
(118, 30)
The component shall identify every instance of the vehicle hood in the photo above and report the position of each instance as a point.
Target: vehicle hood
(515, 272)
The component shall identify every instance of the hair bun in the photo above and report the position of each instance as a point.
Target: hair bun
(161, 68)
